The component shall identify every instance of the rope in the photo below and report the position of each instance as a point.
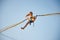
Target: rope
(11, 26)
(49, 14)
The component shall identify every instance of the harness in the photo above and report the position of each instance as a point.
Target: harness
(30, 20)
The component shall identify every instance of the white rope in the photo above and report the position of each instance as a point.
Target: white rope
(49, 14)
(11, 26)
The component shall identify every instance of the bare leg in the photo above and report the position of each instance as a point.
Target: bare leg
(25, 25)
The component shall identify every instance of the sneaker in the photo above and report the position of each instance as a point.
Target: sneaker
(22, 28)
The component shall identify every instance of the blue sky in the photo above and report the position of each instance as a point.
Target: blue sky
(45, 28)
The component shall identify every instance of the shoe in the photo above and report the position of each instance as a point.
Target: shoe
(22, 28)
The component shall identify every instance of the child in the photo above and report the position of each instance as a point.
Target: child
(31, 19)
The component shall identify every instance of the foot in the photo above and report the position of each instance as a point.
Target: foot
(22, 28)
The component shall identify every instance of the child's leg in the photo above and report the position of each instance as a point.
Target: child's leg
(25, 25)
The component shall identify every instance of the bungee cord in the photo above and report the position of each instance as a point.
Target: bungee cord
(49, 14)
(11, 26)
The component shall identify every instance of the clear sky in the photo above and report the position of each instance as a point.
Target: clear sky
(45, 28)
